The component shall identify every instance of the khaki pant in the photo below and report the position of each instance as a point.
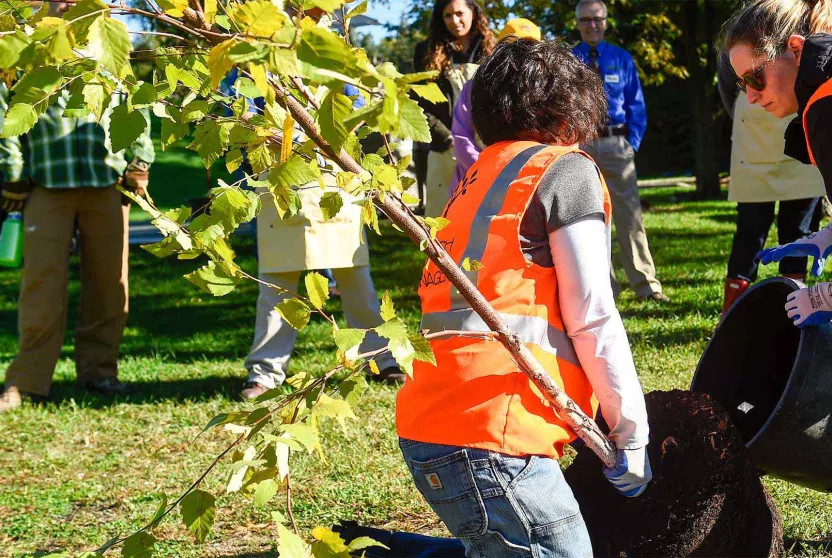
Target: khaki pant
(616, 159)
(49, 221)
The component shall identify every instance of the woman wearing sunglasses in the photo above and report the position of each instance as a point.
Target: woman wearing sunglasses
(782, 52)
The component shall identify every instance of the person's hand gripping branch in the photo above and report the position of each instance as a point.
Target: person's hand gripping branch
(631, 473)
(817, 245)
(137, 177)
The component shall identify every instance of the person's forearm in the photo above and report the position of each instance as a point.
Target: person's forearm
(595, 327)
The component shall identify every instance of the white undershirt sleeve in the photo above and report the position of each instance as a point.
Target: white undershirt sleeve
(580, 252)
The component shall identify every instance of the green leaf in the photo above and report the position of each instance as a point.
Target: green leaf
(352, 388)
(430, 92)
(19, 119)
(331, 203)
(260, 18)
(295, 312)
(330, 407)
(53, 34)
(412, 123)
(46, 79)
(361, 543)
(321, 49)
(210, 141)
(400, 346)
(422, 348)
(334, 111)
(290, 545)
(471, 265)
(225, 418)
(233, 160)
(247, 88)
(173, 8)
(408, 199)
(317, 287)
(217, 279)
(96, 98)
(143, 96)
(359, 9)
(260, 158)
(388, 120)
(265, 492)
(126, 127)
(172, 132)
(160, 511)
(349, 340)
(305, 433)
(232, 206)
(195, 110)
(138, 545)
(78, 23)
(388, 311)
(198, 513)
(294, 172)
(109, 43)
(10, 48)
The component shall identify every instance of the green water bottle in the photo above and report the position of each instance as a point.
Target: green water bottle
(11, 241)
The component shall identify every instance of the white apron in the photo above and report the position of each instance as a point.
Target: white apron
(760, 172)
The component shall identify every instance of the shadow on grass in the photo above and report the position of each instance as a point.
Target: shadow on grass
(148, 392)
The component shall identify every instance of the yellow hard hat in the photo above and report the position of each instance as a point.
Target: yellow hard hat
(521, 28)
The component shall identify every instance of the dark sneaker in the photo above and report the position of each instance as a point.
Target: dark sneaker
(253, 390)
(656, 297)
(107, 386)
(10, 399)
(390, 375)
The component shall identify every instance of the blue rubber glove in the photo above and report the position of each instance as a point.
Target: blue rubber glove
(810, 306)
(631, 473)
(818, 245)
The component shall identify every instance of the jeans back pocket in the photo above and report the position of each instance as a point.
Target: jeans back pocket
(447, 484)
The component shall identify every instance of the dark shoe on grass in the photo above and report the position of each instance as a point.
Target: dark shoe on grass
(107, 386)
(392, 375)
(656, 297)
(253, 390)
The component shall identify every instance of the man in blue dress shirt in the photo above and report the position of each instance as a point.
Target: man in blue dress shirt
(614, 151)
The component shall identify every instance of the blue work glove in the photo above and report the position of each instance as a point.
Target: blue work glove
(631, 473)
(810, 306)
(818, 245)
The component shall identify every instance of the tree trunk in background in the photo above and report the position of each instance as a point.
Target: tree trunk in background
(701, 28)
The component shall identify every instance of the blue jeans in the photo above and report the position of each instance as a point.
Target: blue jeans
(499, 505)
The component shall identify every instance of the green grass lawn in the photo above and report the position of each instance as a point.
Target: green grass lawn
(80, 469)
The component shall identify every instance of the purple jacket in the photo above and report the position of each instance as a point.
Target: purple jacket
(465, 146)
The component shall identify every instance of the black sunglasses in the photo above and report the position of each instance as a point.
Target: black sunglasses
(754, 80)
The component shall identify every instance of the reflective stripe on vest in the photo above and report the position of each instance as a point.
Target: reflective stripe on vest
(530, 329)
(823, 91)
(489, 208)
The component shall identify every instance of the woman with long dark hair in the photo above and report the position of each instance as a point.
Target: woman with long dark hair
(782, 52)
(458, 38)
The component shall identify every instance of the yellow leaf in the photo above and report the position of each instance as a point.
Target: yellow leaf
(210, 9)
(219, 63)
(286, 146)
(260, 18)
(173, 8)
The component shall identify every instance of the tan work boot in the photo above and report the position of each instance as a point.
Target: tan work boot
(10, 399)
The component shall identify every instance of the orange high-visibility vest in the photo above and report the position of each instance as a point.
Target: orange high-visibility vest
(824, 90)
(476, 395)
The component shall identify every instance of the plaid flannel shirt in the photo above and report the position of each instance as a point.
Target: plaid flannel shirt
(68, 152)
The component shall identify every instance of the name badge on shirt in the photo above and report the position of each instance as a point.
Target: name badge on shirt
(611, 78)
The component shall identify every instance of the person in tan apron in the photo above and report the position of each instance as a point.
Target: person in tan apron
(762, 175)
(287, 247)
(459, 37)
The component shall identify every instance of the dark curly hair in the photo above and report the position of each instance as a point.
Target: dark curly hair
(440, 41)
(539, 91)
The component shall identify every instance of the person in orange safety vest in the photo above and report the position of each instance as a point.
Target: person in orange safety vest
(479, 438)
